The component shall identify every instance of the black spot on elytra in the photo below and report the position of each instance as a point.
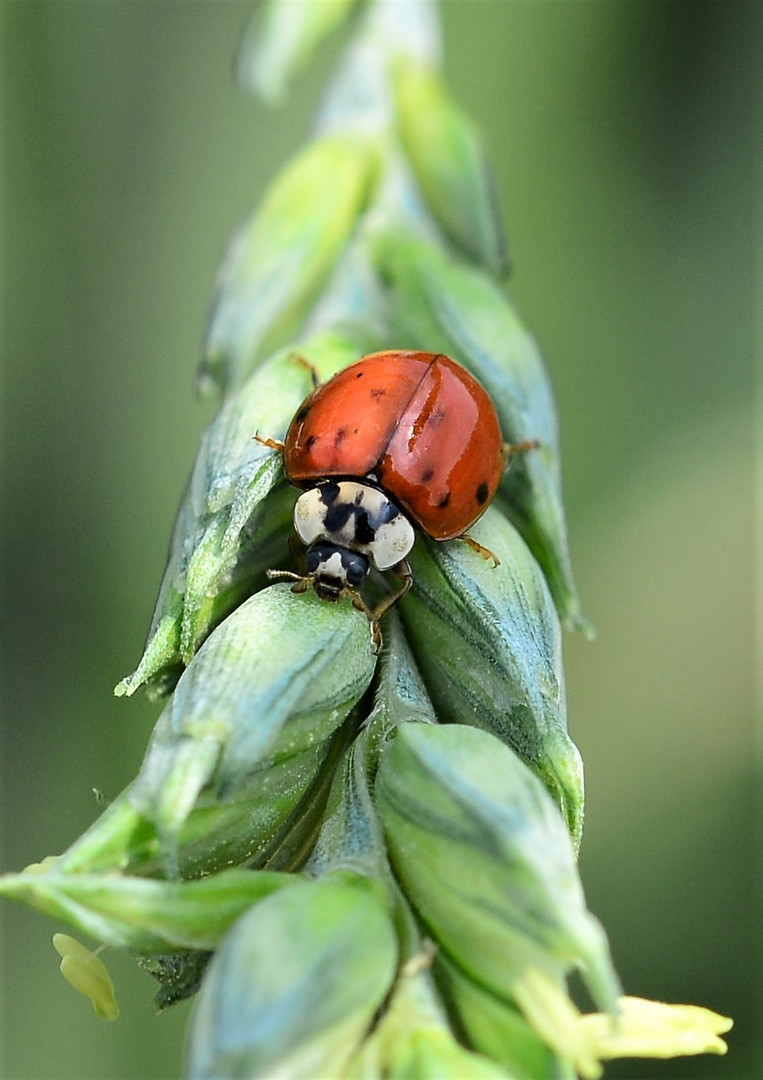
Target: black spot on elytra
(340, 436)
(437, 416)
(359, 375)
(302, 413)
(482, 493)
(427, 475)
(444, 500)
(310, 441)
(378, 392)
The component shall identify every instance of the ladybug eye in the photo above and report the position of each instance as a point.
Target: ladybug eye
(356, 567)
(312, 560)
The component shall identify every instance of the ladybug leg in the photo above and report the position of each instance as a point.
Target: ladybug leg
(518, 448)
(402, 571)
(272, 444)
(310, 367)
(486, 553)
(376, 635)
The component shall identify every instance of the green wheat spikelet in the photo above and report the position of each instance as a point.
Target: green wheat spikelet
(365, 866)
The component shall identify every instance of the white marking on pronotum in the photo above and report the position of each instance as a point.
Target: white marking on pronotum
(368, 521)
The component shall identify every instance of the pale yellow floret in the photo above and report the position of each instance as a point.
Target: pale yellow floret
(85, 971)
(656, 1030)
(42, 866)
(640, 1028)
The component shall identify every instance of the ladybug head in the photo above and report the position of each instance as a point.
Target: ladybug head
(351, 524)
(334, 569)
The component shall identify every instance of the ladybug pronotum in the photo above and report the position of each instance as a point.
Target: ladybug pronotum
(396, 441)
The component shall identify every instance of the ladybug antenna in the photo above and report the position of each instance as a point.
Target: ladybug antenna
(301, 582)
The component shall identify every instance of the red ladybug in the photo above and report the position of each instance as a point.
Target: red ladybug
(395, 440)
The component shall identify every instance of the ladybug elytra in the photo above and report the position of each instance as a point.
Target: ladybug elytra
(396, 441)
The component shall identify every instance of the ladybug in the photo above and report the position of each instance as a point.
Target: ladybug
(397, 441)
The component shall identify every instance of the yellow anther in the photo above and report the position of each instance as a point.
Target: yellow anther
(86, 972)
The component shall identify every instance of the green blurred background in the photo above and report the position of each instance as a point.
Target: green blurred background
(623, 136)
